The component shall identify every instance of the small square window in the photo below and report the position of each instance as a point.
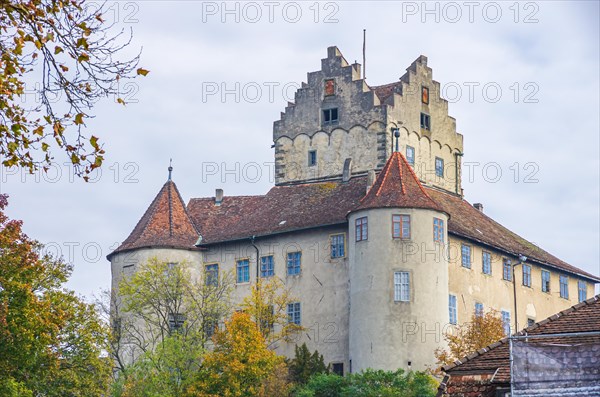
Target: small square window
(530, 322)
(425, 95)
(267, 266)
(337, 242)
(410, 155)
(294, 260)
(362, 229)
(337, 368)
(312, 158)
(439, 167)
(506, 270)
(330, 116)
(401, 226)
(425, 122)
(466, 256)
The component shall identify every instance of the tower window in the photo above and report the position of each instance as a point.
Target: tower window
(401, 226)
(425, 95)
(486, 263)
(293, 263)
(582, 290)
(452, 309)
(294, 315)
(337, 368)
(401, 287)
(526, 275)
(362, 229)
(337, 245)
(466, 256)
(312, 158)
(410, 155)
(506, 270)
(564, 287)
(545, 281)
(267, 267)
(330, 116)
(243, 271)
(425, 121)
(438, 230)
(478, 309)
(439, 167)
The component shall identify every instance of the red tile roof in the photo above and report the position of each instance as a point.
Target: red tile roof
(583, 317)
(383, 92)
(397, 186)
(165, 223)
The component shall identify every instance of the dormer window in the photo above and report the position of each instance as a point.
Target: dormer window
(330, 116)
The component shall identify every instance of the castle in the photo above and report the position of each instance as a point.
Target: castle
(367, 226)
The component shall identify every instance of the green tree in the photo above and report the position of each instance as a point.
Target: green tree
(306, 364)
(51, 342)
(69, 57)
(371, 383)
(239, 364)
(483, 330)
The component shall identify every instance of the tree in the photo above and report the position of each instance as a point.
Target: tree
(73, 54)
(267, 306)
(51, 342)
(483, 330)
(239, 364)
(371, 383)
(304, 365)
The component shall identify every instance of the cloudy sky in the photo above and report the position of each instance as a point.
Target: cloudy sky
(522, 80)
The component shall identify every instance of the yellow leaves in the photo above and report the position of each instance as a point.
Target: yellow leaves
(83, 58)
(64, 68)
(58, 50)
(79, 118)
(142, 72)
(121, 101)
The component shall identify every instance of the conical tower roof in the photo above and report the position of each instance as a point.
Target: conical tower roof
(165, 224)
(397, 186)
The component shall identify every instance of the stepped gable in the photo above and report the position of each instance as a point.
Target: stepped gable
(397, 186)
(165, 224)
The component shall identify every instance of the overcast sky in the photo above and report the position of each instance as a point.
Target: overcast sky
(522, 81)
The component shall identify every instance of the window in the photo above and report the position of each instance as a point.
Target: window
(581, 290)
(338, 369)
(439, 167)
(176, 321)
(410, 155)
(329, 87)
(401, 226)
(526, 275)
(401, 287)
(466, 256)
(312, 158)
(267, 267)
(478, 309)
(452, 309)
(211, 274)
(564, 287)
(338, 245)
(545, 281)
(425, 95)
(530, 322)
(294, 313)
(506, 322)
(210, 325)
(267, 321)
(293, 263)
(438, 230)
(425, 121)
(330, 116)
(506, 270)
(243, 271)
(169, 268)
(486, 263)
(362, 231)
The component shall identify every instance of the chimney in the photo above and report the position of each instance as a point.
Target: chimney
(370, 179)
(478, 207)
(218, 196)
